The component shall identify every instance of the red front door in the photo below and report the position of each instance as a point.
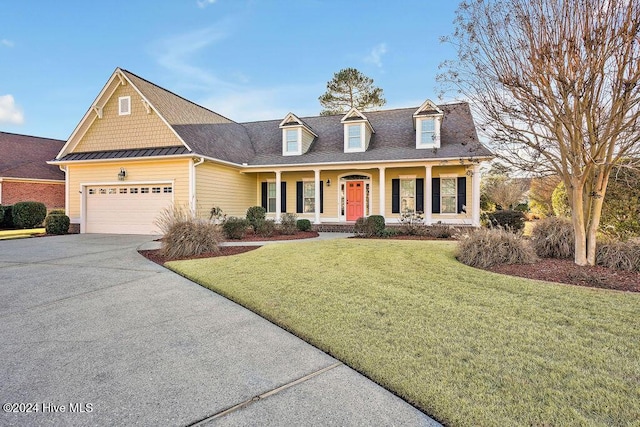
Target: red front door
(355, 197)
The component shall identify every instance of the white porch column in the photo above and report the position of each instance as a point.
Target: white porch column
(476, 195)
(383, 190)
(316, 196)
(427, 196)
(278, 195)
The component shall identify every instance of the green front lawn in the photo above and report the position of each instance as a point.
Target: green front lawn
(466, 346)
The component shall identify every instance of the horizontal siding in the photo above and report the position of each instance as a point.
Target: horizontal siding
(307, 139)
(136, 130)
(176, 171)
(224, 187)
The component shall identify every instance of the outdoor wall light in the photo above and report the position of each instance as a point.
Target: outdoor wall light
(329, 183)
(122, 175)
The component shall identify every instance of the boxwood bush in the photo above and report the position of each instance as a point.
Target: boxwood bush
(509, 220)
(303, 224)
(371, 226)
(256, 215)
(56, 224)
(28, 214)
(234, 227)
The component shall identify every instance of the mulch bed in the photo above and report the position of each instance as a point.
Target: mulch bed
(154, 254)
(252, 237)
(566, 271)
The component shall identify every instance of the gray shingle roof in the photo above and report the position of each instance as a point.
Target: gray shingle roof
(394, 139)
(174, 108)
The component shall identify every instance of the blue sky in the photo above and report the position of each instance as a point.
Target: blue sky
(246, 59)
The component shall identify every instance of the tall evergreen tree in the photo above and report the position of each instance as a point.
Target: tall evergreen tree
(350, 88)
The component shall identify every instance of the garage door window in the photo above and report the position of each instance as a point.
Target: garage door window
(155, 190)
(103, 191)
(92, 191)
(168, 190)
(133, 190)
(144, 190)
(123, 191)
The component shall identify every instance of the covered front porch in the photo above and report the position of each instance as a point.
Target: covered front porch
(446, 192)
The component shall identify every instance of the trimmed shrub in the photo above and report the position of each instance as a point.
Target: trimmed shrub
(487, 247)
(256, 215)
(553, 237)
(6, 216)
(288, 223)
(509, 220)
(389, 232)
(56, 224)
(191, 238)
(371, 226)
(619, 255)
(265, 227)
(28, 214)
(56, 212)
(303, 225)
(234, 227)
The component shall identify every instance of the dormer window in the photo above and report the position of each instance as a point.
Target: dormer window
(357, 131)
(124, 105)
(297, 136)
(292, 141)
(354, 141)
(427, 120)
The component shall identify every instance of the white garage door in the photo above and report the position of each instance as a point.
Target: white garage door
(130, 209)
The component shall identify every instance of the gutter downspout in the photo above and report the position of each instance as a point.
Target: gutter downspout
(192, 183)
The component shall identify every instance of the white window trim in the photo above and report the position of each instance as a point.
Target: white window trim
(346, 138)
(297, 152)
(272, 181)
(435, 142)
(408, 178)
(455, 193)
(305, 181)
(121, 112)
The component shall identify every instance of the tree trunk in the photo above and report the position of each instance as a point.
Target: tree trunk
(578, 220)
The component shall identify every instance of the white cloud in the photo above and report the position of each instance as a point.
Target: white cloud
(204, 3)
(9, 111)
(175, 54)
(375, 56)
(7, 43)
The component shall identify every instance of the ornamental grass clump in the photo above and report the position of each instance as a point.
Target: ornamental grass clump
(553, 237)
(488, 247)
(619, 255)
(191, 238)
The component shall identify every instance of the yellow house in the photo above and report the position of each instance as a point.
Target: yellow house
(140, 148)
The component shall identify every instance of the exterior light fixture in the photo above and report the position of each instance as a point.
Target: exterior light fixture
(122, 175)
(329, 183)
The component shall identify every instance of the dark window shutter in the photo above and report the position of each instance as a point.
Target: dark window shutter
(321, 196)
(420, 194)
(462, 193)
(265, 194)
(435, 195)
(395, 196)
(299, 194)
(283, 196)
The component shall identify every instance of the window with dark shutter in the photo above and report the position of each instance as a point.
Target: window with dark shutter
(420, 194)
(283, 196)
(265, 195)
(462, 194)
(395, 195)
(299, 197)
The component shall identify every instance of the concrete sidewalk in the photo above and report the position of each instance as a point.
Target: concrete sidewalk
(90, 326)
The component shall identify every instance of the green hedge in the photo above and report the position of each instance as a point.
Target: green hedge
(303, 225)
(56, 224)
(28, 214)
(6, 216)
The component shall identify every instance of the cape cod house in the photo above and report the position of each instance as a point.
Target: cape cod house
(140, 148)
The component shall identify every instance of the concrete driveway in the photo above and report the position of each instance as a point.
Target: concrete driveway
(91, 328)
